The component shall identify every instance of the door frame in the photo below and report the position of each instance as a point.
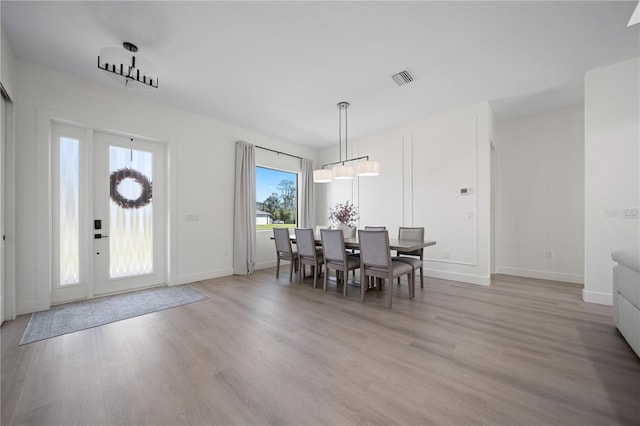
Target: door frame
(40, 297)
(8, 205)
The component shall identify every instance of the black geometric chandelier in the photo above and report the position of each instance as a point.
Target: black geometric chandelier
(126, 67)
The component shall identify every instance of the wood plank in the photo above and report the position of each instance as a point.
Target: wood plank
(263, 351)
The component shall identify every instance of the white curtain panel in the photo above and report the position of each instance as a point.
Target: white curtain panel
(244, 224)
(307, 209)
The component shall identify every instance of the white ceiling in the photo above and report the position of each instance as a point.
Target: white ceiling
(281, 67)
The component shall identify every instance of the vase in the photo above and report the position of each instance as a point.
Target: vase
(348, 231)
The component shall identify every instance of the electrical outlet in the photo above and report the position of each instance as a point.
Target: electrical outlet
(548, 254)
(447, 255)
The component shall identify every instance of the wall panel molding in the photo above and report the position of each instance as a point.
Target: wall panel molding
(451, 148)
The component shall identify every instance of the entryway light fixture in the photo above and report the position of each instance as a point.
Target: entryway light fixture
(355, 166)
(126, 67)
(635, 17)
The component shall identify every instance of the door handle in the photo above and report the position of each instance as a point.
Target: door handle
(99, 236)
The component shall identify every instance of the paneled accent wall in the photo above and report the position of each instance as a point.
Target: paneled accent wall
(380, 198)
(423, 167)
(443, 160)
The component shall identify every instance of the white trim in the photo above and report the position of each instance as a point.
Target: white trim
(44, 247)
(268, 264)
(597, 297)
(30, 305)
(457, 276)
(542, 275)
(9, 202)
(45, 117)
(201, 276)
(455, 262)
(447, 122)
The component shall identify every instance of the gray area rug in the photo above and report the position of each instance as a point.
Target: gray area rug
(93, 313)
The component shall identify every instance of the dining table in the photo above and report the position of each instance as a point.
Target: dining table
(397, 244)
(394, 243)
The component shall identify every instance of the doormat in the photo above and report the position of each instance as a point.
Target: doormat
(78, 316)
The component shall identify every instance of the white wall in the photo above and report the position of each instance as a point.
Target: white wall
(539, 199)
(612, 171)
(423, 166)
(201, 173)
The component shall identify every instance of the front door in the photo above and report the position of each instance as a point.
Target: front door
(109, 213)
(129, 219)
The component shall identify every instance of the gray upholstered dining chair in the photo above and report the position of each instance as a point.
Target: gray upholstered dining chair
(284, 251)
(374, 228)
(414, 258)
(336, 257)
(308, 254)
(375, 261)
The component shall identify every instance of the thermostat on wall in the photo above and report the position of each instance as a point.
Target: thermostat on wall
(465, 191)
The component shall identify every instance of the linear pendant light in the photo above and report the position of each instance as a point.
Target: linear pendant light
(367, 168)
(343, 171)
(322, 175)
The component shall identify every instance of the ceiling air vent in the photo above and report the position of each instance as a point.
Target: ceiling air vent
(402, 78)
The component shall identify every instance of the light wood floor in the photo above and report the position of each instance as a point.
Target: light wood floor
(262, 351)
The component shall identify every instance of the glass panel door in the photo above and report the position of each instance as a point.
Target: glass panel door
(69, 198)
(130, 212)
(128, 232)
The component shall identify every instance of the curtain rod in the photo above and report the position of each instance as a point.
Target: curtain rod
(278, 152)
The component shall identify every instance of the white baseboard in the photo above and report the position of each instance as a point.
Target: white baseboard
(457, 276)
(597, 297)
(268, 264)
(542, 275)
(190, 278)
(30, 306)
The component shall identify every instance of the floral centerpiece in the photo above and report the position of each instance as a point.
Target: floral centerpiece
(344, 216)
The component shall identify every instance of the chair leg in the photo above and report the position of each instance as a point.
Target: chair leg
(314, 270)
(412, 284)
(363, 280)
(278, 267)
(324, 281)
(422, 277)
(390, 292)
(344, 284)
(291, 272)
(398, 280)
